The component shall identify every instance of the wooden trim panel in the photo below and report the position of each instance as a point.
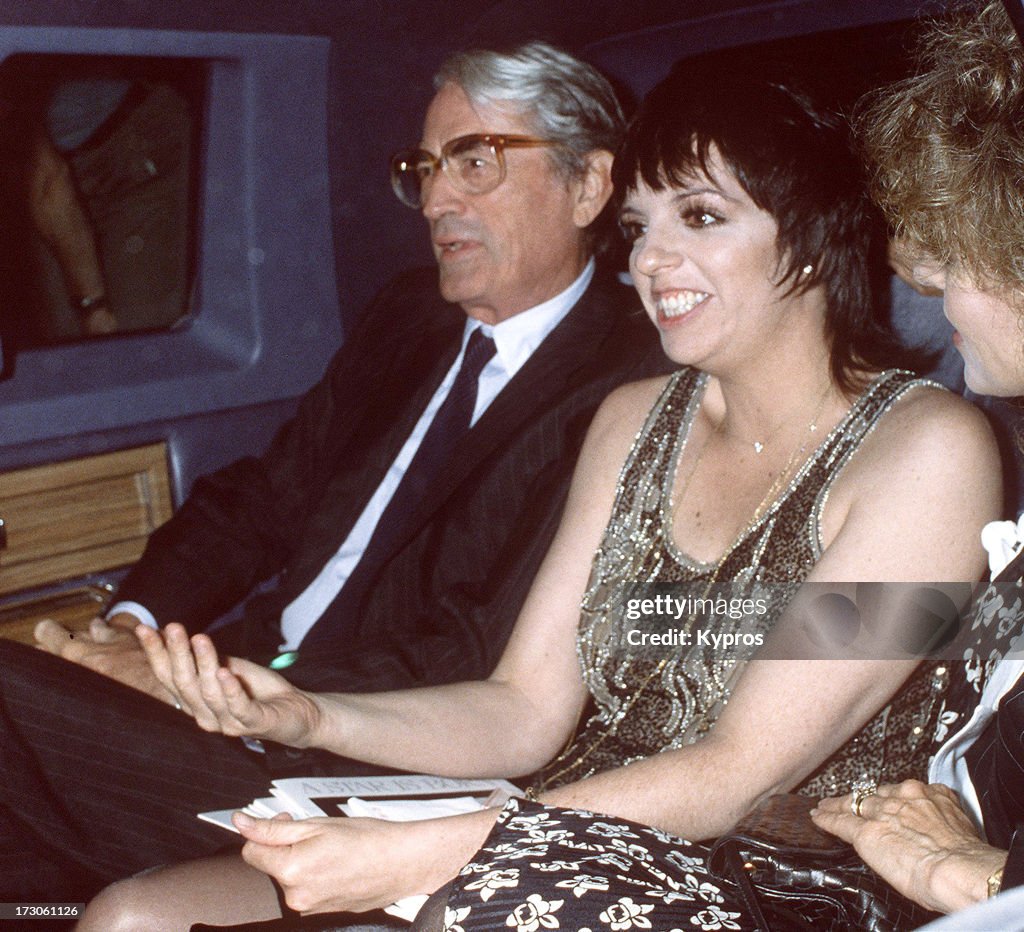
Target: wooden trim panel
(70, 519)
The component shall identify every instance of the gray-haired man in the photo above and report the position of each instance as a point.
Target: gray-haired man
(403, 511)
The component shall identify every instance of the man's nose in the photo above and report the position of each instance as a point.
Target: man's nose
(440, 196)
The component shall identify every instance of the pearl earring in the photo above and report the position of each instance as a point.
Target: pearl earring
(807, 269)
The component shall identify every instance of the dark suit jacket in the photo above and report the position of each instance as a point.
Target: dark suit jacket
(996, 765)
(442, 605)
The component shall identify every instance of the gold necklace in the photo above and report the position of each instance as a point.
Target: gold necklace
(776, 485)
(759, 445)
(780, 480)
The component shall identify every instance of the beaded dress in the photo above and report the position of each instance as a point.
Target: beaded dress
(545, 867)
(645, 702)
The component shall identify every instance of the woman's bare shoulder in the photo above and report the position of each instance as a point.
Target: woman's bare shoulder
(931, 439)
(930, 424)
(911, 502)
(628, 405)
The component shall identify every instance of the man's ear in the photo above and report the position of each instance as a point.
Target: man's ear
(593, 189)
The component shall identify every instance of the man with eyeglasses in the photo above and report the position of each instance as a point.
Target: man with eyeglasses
(401, 514)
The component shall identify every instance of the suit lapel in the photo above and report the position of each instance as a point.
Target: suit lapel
(395, 387)
(542, 379)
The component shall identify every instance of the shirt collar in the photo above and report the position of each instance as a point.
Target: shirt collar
(517, 337)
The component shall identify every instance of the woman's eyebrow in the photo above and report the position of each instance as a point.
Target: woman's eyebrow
(700, 192)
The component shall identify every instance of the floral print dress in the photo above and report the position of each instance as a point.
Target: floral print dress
(547, 868)
(995, 629)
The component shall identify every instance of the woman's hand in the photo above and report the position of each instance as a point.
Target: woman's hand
(241, 698)
(918, 838)
(328, 864)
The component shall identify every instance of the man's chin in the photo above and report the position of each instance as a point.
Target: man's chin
(455, 288)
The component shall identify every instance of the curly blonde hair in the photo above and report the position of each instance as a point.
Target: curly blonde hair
(947, 148)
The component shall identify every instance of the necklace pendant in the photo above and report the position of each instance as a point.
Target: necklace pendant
(758, 446)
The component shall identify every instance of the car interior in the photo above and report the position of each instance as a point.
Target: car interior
(285, 226)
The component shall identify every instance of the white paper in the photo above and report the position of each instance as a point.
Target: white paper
(410, 810)
(265, 808)
(365, 798)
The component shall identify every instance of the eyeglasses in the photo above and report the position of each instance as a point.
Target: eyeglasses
(474, 164)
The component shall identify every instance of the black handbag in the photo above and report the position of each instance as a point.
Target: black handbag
(791, 875)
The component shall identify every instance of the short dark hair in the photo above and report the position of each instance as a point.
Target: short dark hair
(795, 161)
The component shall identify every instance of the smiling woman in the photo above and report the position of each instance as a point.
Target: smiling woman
(763, 170)
(706, 249)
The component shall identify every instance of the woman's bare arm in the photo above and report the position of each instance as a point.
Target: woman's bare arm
(511, 723)
(909, 507)
(918, 520)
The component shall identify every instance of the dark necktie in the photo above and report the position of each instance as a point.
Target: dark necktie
(450, 423)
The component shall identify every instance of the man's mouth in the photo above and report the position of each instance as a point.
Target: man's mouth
(452, 247)
(673, 304)
(451, 238)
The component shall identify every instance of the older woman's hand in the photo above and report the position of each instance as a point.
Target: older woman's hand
(239, 698)
(918, 838)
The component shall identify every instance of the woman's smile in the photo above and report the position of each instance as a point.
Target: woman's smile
(674, 305)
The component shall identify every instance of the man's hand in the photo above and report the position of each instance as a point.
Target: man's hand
(239, 698)
(108, 647)
(918, 838)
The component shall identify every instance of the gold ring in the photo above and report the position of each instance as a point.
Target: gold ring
(862, 789)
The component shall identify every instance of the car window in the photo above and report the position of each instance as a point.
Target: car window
(100, 172)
